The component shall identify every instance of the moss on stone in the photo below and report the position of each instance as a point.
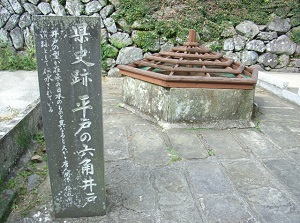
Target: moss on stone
(108, 51)
(147, 40)
(296, 35)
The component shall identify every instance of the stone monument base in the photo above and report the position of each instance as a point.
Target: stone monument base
(188, 105)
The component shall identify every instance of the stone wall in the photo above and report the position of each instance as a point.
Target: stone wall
(269, 45)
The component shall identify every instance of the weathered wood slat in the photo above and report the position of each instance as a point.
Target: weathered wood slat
(191, 50)
(185, 78)
(190, 62)
(196, 56)
(187, 69)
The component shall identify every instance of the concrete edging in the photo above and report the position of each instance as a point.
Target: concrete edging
(277, 87)
(25, 124)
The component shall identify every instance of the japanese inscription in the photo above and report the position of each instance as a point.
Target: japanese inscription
(68, 55)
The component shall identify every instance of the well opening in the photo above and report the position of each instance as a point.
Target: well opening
(190, 83)
(191, 66)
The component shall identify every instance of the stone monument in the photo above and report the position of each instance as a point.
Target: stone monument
(68, 56)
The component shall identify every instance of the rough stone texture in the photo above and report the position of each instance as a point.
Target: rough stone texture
(239, 43)
(234, 56)
(165, 46)
(243, 33)
(104, 2)
(129, 54)
(267, 36)
(137, 94)
(255, 141)
(138, 25)
(188, 105)
(31, 9)
(7, 198)
(74, 7)
(120, 40)
(283, 61)
(260, 192)
(104, 36)
(4, 16)
(262, 27)
(114, 72)
(174, 195)
(282, 45)
(297, 51)
(268, 59)
(107, 11)
(28, 38)
(17, 38)
(32, 182)
(4, 40)
(57, 8)
(296, 62)
(92, 7)
(12, 22)
(17, 7)
(285, 170)
(185, 147)
(25, 20)
(207, 178)
(116, 144)
(45, 8)
(249, 57)
(228, 32)
(248, 29)
(6, 4)
(256, 45)
(151, 144)
(34, 1)
(110, 25)
(124, 25)
(196, 105)
(279, 25)
(110, 63)
(228, 44)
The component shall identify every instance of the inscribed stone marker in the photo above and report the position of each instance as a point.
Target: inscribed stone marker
(68, 56)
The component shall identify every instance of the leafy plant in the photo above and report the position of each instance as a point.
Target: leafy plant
(146, 40)
(211, 152)
(107, 51)
(174, 18)
(10, 60)
(296, 35)
(173, 155)
(24, 138)
(40, 138)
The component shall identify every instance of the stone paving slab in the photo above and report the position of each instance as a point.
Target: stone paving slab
(15, 96)
(253, 175)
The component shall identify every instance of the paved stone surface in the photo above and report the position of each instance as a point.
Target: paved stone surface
(253, 176)
(14, 95)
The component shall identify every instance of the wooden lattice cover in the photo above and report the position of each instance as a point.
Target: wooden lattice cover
(191, 66)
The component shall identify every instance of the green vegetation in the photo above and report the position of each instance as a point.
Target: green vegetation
(26, 200)
(10, 60)
(173, 19)
(173, 155)
(296, 35)
(211, 152)
(107, 51)
(146, 40)
(24, 138)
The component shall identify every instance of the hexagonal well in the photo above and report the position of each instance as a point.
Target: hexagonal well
(190, 84)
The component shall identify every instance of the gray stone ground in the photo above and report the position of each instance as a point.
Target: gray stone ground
(254, 175)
